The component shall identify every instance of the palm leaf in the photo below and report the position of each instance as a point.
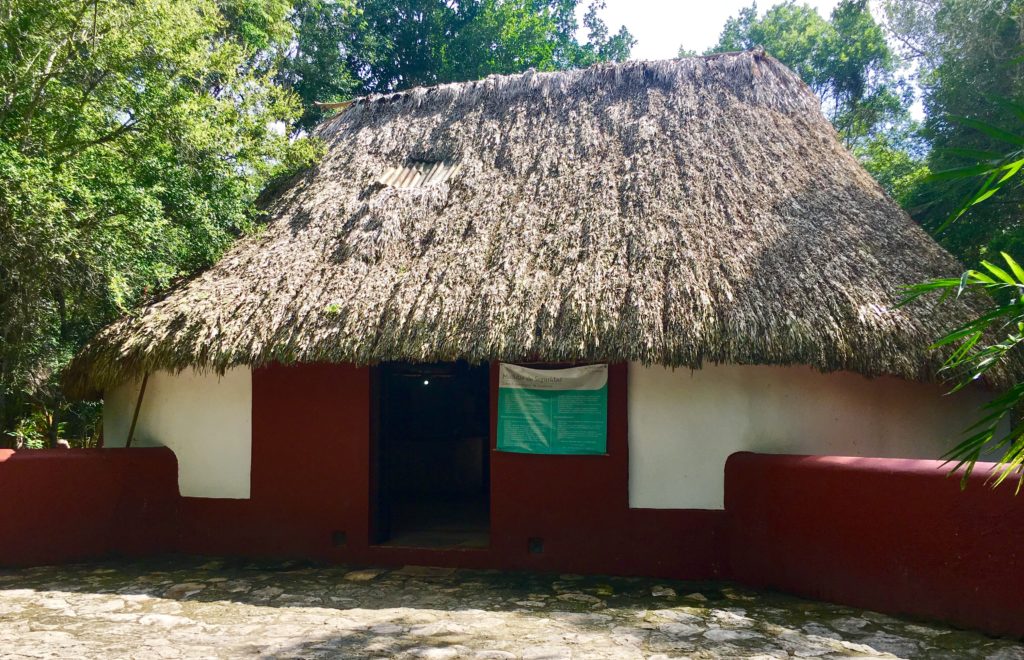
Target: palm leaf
(989, 130)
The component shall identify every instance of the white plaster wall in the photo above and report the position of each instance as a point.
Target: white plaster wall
(204, 418)
(683, 424)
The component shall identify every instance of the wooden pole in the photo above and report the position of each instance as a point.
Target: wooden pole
(138, 406)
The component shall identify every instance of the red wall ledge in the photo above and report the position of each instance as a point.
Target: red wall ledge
(893, 535)
(64, 505)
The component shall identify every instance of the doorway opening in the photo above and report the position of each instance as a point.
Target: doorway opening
(431, 455)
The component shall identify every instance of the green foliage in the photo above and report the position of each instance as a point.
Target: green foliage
(846, 60)
(969, 58)
(135, 136)
(601, 45)
(994, 338)
(30, 432)
(314, 66)
(348, 48)
(896, 160)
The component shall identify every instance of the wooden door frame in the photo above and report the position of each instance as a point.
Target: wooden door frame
(379, 523)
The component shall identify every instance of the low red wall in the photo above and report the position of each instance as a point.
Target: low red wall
(63, 505)
(893, 535)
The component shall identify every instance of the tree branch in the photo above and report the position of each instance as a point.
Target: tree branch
(50, 70)
(74, 148)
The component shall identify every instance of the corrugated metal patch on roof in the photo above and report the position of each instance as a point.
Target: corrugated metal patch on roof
(419, 174)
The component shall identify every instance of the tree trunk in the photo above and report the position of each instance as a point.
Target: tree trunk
(3, 416)
(54, 428)
(5, 440)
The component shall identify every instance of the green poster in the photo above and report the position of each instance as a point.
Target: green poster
(553, 411)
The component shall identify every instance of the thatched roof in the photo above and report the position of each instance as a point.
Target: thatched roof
(672, 212)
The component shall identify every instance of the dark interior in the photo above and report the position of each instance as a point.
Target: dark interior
(432, 458)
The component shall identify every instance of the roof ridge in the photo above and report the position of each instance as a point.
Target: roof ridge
(756, 53)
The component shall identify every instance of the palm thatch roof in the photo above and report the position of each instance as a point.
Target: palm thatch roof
(671, 212)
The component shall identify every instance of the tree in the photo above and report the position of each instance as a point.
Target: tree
(135, 136)
(969, 58)
(377, 46)
(897, 160)
(314, 66)
(845, 60)
(601, 46)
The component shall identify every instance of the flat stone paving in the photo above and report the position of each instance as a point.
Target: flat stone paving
(196, 608)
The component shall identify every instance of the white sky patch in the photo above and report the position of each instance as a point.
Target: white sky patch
(662, 26)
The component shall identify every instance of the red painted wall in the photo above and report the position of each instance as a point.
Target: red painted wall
(63, 505)
(579, 506)
(310, 470)
(893, 535)
(311, 478)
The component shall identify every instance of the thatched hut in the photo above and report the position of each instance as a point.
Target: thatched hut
(345, 383)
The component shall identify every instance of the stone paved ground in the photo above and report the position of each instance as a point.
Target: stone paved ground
(190, 608)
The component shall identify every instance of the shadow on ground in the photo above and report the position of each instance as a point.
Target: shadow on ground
(179, 607)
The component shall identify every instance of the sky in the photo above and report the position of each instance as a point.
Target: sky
(661, 26)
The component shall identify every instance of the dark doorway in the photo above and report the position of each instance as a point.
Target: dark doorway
(432, 455)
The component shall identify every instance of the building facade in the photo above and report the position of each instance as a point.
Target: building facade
(288, 461)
